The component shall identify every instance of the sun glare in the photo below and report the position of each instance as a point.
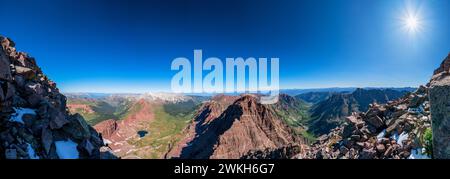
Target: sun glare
(412, 20)
(412, 23)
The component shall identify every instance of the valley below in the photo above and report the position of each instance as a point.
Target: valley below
(136, 126)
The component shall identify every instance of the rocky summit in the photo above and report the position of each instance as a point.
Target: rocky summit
(34, 120)
(396, 130)
(240, 129)
(413, 127)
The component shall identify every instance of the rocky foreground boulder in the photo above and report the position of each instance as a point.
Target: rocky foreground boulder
(34, 120)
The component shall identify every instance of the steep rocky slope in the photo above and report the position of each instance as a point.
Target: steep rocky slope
(224, 130)
(34, 122)
(209, 111)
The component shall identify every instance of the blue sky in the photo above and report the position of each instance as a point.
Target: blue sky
(128, 46)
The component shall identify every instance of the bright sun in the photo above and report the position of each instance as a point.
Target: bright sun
(412, 23)
(412, 20)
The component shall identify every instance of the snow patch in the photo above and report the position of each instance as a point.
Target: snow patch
(67, 149)
(418, 110)
(403, 136)
(395, 136)
(381, 135)
(106, 141)
(418, 154)
(400, 138)
(31, 152)
(17, 116)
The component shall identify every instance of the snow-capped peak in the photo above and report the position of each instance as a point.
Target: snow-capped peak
(166, 97)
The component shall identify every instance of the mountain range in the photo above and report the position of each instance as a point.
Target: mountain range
(137, 126)
(199, 121)
(39, 122)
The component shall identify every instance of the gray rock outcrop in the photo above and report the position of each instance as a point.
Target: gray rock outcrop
(440, 110)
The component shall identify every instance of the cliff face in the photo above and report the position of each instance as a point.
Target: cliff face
(34, 122)
(208, 112)
(440, 110)
(107, 128)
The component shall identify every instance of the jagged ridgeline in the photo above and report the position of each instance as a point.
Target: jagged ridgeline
(34, 121)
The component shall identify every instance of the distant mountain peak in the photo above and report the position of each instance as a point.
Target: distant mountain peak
(166, 97)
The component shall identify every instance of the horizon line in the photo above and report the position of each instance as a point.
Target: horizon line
(282, 89)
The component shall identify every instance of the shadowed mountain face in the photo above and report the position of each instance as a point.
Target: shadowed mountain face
(293, 111)
(231, 130)
(316, 96)
(331, 113)
(97, 110)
